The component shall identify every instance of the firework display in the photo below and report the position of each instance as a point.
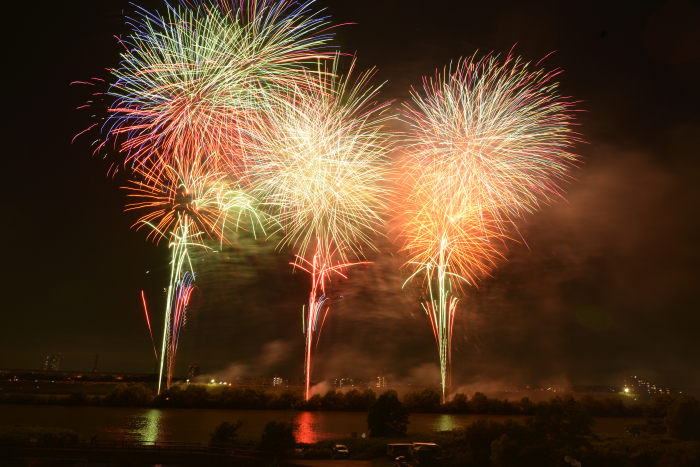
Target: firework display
(233, 114)
(190, 81)
(320, 171)
(488, 144)
(188, 87)
(185, 205)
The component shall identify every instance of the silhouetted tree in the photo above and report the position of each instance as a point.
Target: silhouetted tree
(287, 399)
(458, 404)
(661, 405)
(479, 403)
(277, 437)
(562, 423)
(225, 432)
(425, 401)
(526, 406)
(314, 403)
(333, 400)
(387, 417)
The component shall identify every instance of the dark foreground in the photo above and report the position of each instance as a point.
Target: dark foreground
(84, 452)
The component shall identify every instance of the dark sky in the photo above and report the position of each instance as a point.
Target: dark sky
(609, 284)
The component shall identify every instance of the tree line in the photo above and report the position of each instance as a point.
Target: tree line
(353, 400)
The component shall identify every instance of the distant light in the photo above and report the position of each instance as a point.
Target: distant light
(212, 381)
(627, 389)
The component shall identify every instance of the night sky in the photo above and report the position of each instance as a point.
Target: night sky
(607, 283)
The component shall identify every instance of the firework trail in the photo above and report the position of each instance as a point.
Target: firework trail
(320, 171)
(148, 320)
(181, 299)
(192, 80)
(185, 205)
(488, 144)
(320, 272)
(187, 93)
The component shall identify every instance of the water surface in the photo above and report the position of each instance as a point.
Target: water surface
(194, 425)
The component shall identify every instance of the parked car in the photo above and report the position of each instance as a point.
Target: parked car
(340, 450)
(427, 454)
(398, 449)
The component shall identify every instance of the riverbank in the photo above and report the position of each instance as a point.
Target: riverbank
(353, 400)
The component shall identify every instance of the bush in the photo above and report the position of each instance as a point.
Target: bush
(683, 419)
(277, 437)
(225, 432)
(387, 417)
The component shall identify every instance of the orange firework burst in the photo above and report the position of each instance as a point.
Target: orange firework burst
(489, 142)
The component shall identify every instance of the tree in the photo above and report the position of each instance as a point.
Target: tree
(333, 400)
(312, 404)
(277, 437)
(425, 401)
(387, 416)
(289, 398)
(478, 437)
(479, 403)
(458, 404)
(661, 405)
(683, 419)
(562, 423)
(526, 406)
(225, 432)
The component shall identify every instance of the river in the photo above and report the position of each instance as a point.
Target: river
(194, 425)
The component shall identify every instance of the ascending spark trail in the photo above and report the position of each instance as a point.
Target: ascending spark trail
(320, 170)
(320, 271)
(143, 297)
(184, 204)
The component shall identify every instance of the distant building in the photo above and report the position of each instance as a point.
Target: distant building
(344, 382)
(193, 371)
(53, 362)
(381, 381)
(277, 381)
(632, 384)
